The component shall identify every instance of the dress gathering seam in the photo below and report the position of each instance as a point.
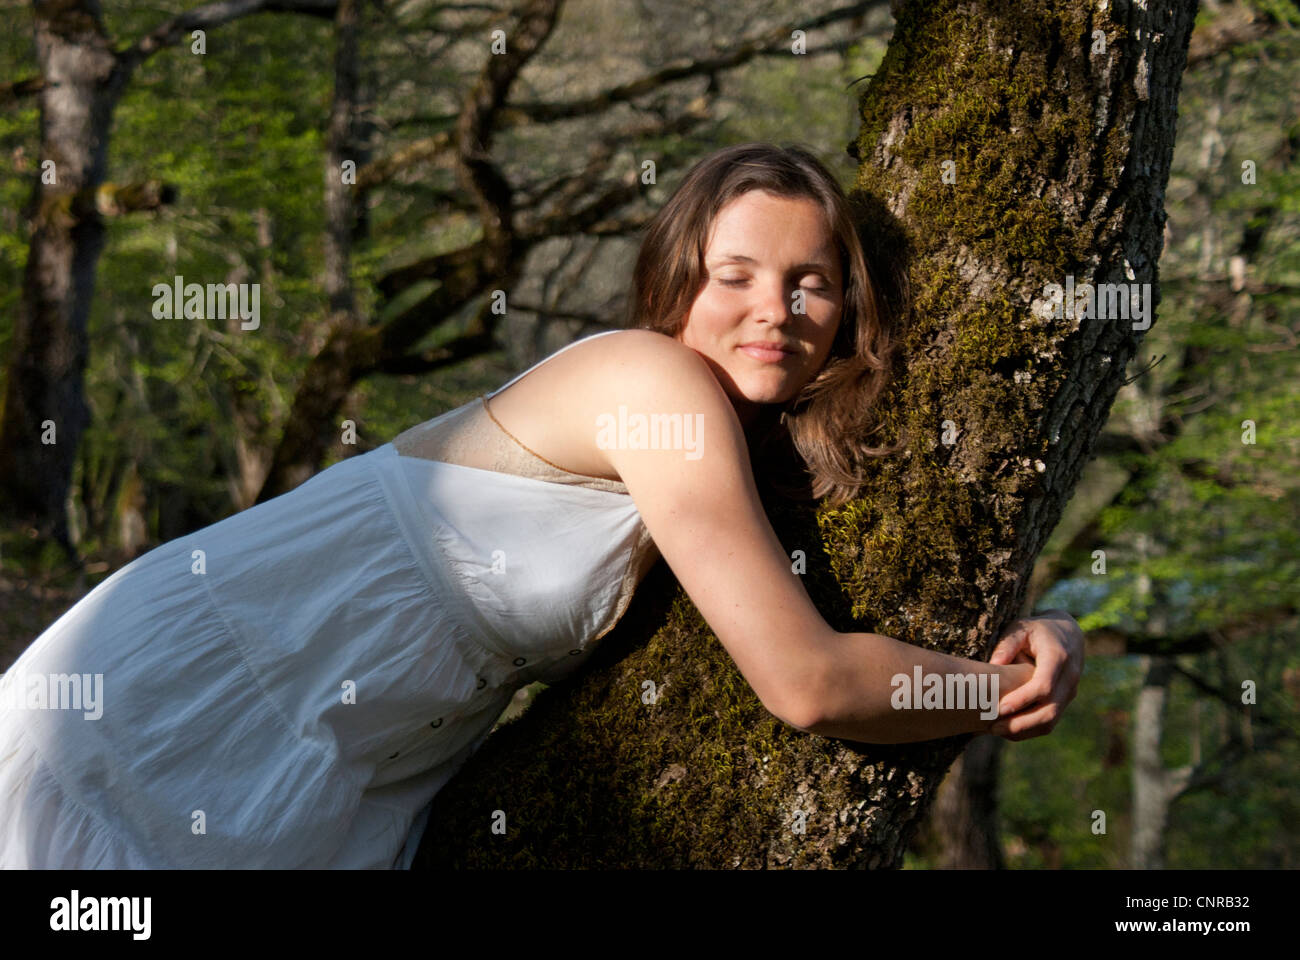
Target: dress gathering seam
(102, 825)
(237, 642)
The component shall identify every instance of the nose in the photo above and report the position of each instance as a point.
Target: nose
(776, 304)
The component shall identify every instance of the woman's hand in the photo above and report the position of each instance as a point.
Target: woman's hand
(1052, 642)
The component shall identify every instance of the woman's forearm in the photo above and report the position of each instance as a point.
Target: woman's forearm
(881, 690)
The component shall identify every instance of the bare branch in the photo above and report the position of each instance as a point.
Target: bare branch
(476, 126)
(1232, 700)
(12, 91)
(381, 170)
(174, 30)
(1111, 641)
(775, 41)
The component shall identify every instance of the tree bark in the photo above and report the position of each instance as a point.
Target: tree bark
(1061, 150)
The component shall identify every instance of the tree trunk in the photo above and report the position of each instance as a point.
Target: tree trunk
(1155, 787)
(82, 79)
(44, 398)
(1061, 150)
(962, 830)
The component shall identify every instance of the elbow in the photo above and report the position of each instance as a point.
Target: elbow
(801, 700)
(800, 718)
(804, 720)
(802, 711)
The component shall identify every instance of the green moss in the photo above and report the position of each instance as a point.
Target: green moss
(924, 522)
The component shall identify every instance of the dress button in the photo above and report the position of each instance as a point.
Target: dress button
(437, 723)
(520, 661)
(574, 653)
(482, 682)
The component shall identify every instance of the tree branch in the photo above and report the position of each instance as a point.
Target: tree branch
(1232, 700)
(174, 30)
(775, 41)
(12, 91)
(1114, 642)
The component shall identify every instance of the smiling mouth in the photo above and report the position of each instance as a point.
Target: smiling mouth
(766, 354)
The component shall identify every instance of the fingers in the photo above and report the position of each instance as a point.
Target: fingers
(1029, 724)
(1009, 645)
(1040, 686)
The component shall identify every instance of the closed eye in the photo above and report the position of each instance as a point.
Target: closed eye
(740, 283)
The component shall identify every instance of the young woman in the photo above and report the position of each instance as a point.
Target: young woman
(291, 686)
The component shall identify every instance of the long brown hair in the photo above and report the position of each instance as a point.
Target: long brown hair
(826, 424)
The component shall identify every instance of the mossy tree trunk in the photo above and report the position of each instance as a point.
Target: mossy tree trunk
(1058, 119)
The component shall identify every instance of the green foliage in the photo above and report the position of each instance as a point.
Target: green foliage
(1205, 532)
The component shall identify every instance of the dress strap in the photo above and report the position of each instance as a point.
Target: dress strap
(544, 359)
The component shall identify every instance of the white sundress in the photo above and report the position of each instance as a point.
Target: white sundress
(289, 687)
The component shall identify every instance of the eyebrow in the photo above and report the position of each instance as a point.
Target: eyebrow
(741, 258)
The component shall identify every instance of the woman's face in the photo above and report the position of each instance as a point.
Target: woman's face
(762, 250)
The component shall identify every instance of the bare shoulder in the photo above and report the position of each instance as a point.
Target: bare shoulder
(641, 380)
(646, 369)
(663, 422)
(629, 358)
(553, 410)
(641, 356)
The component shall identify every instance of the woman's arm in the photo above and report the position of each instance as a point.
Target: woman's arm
(872, 694)
(702, 509)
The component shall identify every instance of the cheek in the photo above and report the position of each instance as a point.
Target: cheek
(706, 316)
(708, 302)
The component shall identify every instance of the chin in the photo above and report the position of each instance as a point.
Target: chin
(767, 397)
(768, 392)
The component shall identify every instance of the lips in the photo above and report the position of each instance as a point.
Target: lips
(767, 351)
